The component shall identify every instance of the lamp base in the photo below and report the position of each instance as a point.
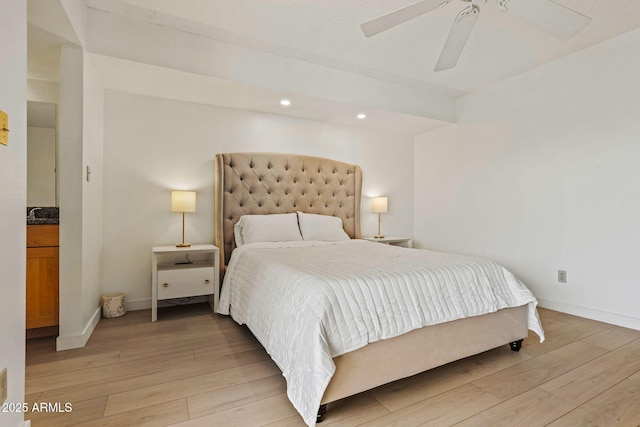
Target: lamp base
(379, 236)
(183, 245)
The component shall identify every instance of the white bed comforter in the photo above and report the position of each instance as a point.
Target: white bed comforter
(307, 302)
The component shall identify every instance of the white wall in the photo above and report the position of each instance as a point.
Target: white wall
(43, 91)
(41, 173)
(81, 139)
(153, 145)
(92, 193)
(70, 175)
(13, 199)
(541, 173)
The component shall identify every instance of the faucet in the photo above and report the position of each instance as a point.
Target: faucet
(32, 214)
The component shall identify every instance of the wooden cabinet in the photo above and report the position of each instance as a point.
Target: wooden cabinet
(42, 276)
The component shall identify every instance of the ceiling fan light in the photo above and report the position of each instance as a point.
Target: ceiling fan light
(554, 19)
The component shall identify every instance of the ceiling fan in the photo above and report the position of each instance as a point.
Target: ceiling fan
(557, 20)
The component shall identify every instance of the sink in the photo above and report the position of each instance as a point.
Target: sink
(43, 215)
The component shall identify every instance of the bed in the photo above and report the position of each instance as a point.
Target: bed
(271, 183)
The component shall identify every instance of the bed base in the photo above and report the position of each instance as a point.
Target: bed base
(422, 349)
(515, 346)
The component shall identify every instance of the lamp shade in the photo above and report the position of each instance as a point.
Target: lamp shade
(183, 201)
(379, 204)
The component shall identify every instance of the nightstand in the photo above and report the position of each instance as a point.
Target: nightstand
(184, 272)
(390, 240)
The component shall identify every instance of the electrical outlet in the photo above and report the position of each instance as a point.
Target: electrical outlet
(3, 386)
(562, 276)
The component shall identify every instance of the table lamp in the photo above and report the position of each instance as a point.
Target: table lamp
(379, 205)
(183, 201)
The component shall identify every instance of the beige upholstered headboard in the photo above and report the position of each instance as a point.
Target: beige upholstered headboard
(269, 183)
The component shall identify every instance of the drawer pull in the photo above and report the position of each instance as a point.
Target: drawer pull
(206, 281)
(166, 285)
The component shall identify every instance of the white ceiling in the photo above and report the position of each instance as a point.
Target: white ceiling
(314, 50)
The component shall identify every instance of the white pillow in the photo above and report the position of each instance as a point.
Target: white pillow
(267, 228)
(321, 227)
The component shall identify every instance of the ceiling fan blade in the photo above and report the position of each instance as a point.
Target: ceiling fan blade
(457, 38)
(557, 20)
(392, 19)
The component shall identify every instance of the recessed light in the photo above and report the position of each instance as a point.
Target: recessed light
(285, 102)
(361, 116)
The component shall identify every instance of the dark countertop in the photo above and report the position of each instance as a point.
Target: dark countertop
(43, 215)
(40, 221)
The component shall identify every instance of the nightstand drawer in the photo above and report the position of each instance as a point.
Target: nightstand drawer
(185, 282)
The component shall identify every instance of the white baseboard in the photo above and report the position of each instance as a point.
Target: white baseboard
(591, 313)
(78, 341)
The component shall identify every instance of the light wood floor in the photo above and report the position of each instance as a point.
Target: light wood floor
(195, 368)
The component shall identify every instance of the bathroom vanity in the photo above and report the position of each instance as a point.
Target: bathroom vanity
(42, 276)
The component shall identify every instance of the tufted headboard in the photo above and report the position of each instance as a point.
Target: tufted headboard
(269, 183)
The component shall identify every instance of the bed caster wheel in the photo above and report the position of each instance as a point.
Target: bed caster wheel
(516, 345)
(321, 411)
